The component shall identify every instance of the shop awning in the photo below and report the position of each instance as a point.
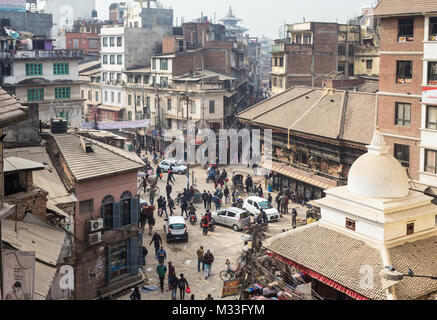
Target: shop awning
(110, 108)
(287, 171)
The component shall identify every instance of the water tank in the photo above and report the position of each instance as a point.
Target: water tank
(59, 126)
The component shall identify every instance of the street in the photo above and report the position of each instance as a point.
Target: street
(224, 243)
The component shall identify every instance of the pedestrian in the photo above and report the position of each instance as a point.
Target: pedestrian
(173, 280)
(282, 203)
(205, 199)
(192, 297)
(216, 201)
(152, 194)
(170, 176)
(209, 200)
(135, 295)
(184, 207)
(260, 192)
(161, 255)
(216, 181)
(182, 284)
(164, 207)
(264, 217)
(169, 189)
(293, 218)
(205, 224)
(278, 202)
(209, 297)
(158, 173)
(151, 222)
(171, 273)
(171, 206)
(270, 198)
(157, 241)
(143, 218)
(226, 192)
(143, 255)
(161, 270)
(200, 255)
(287, 201)
(208, 259)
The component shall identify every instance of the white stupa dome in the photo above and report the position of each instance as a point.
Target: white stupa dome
(377, 174)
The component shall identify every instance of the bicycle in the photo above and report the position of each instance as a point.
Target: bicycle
(229, 274)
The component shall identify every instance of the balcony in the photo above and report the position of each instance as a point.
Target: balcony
(278, 48)
(46, 54)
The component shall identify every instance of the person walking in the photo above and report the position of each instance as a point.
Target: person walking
(168, 189)
(170, 176)
(208, 259)
(135, 295)
(161, 270)
(209, 200)
(205, 224)
(173, 283)
(182, 284)
(227, 194)
(158, 173)
(282, 203)
(200, 255)
(142, 257)
(293, 218)
(151, 222)
(171, 273)
(205, 199)
(209, 297)
(152, 195)
(161, 255)
(171, 206)
(270, 198)
(278, 202)
(164, 207)
(143, 218)
(157, 241)
(286, 202)
(184, 207)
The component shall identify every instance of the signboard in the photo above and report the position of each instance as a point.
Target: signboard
(231, 288)
(18, 275)
(13, 5)
(429, 95)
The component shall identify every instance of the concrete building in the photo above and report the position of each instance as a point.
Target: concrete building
(89, 74)
(117, 11)
(39, 24)
(378, 222)
(407, 85)
(46, 80)
(107, 239)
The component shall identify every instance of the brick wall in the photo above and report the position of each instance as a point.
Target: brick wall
(186, 61)
(83, 42)
(389, 36)
(168, 45)
(217, 60)
(34, 201)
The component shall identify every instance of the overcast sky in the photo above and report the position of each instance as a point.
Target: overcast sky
(261, 17)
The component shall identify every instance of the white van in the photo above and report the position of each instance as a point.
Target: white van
(255, 204)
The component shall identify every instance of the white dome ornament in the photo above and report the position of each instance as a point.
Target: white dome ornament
(377, 174)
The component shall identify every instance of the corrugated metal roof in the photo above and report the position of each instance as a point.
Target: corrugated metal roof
(47, 180)
(11, 111)
(103, 161)
(45, 241)
(12, 164)
(407, 7)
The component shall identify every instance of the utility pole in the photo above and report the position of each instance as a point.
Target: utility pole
(186, 96)
(158, 118)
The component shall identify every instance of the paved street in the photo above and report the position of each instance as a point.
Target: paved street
(223, 242)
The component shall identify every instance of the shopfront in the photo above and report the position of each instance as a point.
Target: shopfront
(310, 191)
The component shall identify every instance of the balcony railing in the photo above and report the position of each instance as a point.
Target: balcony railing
(47, 54)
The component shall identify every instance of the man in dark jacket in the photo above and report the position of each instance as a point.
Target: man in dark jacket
(293, 218)
(171, 205)
(208, 259)
(227, 193)
(209, 200)
(157, 241)
(182, 284)
(184, 207)
(205, 198)
(169, 189)
(170, 176)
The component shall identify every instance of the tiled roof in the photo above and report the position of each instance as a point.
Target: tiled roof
(340, 115)
(333, 255)
(421, 257)
(11, 111)
(407, 7)
(105, 160)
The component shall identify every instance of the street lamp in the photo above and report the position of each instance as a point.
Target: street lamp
(390, 276)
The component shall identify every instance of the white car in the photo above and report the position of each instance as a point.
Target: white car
(255, 204)
(176, 228)
(174, 166)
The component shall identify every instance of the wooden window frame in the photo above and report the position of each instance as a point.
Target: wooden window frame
(351, 224)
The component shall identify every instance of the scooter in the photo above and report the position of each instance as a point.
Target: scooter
(193, 218)
(211, 225)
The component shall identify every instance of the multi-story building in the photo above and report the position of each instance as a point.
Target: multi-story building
(46, 80)
(89, 74)
(116, 12)
(407, 99)
(85, 36)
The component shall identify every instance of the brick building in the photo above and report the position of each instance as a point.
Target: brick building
(85, 36)
(407, 105)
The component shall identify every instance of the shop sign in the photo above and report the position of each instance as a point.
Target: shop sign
(18, 275)
(429, 95)
(231, 288)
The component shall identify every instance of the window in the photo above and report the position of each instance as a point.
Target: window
(93, 44)
(169, 123)
(281, 62)
(35, 94)
(433, 28)
(62, 93)
(212, 106)
(90, 95)
(341, 67)
(410, 228)
(106, 96)
(129, 100)
(76, 44)
(406, 30)
(351, 50)
(112, 59)
(148, 102)
(125, 200)
(139, 101)
(432, 73)
(105, 41)
(97, 96)
(164, 64)
(146, 79)
(402, 153)
(105, 76)
(306, 39)
(33, 69)
(341, 50)
(112, 42)
(118, 260)
(431, 161)
(118, 77)
(60, 68)
(153, 80)
(168, 104)
(164, 82)
(369, 64)
(350, 224)
(119, 41)
(193, 107)
(403, 114)
(153, 64)
(404, 72)
(275, 82)
(431, 117)
(231, 214)
(280, 82)
(105, 59)
(119, 59)
(112, 96)
(86, 206)
(119, 97)
(111, 77)
(108, 212)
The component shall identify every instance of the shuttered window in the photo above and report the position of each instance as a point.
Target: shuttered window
(35, 94)
(62, 93)
(33, 69)
(60, 68)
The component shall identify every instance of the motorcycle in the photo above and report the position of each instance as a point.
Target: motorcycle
(178, 199)
(193, 218)
(211, 225)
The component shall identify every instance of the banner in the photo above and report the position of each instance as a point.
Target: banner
(231, 288)
(18, 275)
(429, 95)
(112, 125)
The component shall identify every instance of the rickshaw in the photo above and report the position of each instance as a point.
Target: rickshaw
(150, 184)
(237, 182)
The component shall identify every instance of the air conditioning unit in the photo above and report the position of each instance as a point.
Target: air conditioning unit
(94, 238)
(96, 224)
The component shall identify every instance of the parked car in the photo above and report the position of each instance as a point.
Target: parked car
(255, 204)
(235, 218)
(176, 228)
(174, 166)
